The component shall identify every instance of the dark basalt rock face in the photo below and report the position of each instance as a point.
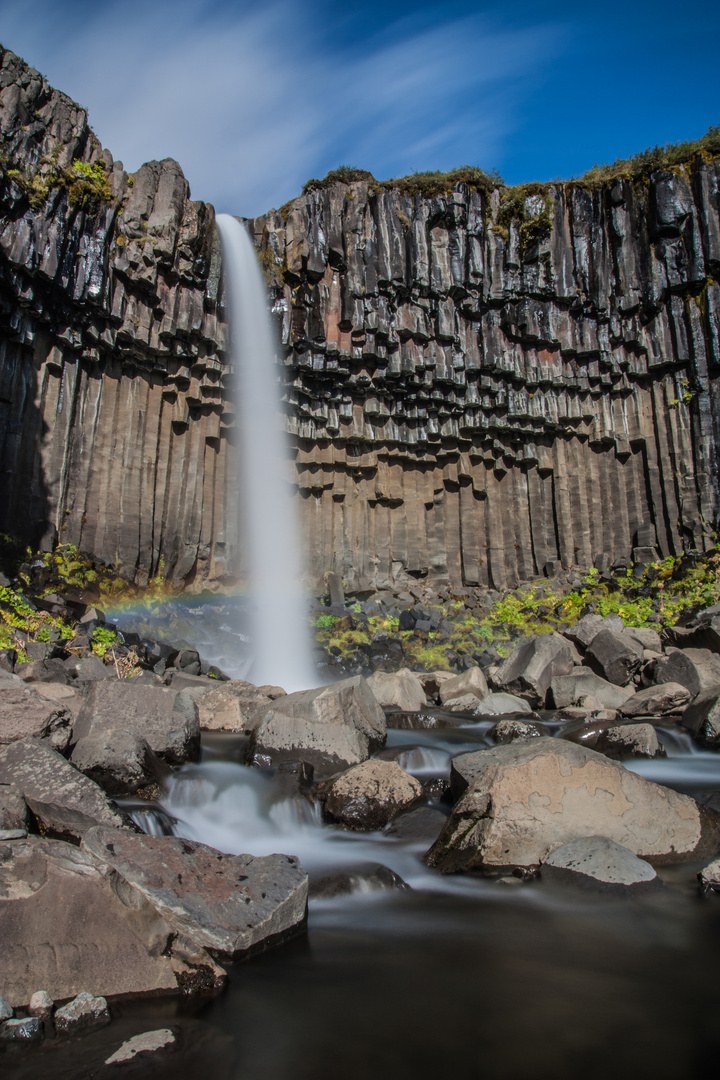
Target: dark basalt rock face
(465, 402)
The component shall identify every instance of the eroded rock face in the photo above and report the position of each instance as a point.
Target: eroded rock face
(525, 799)
(369, 795)
(230, 904)
(530, 669)
(330, 728)
(106, 937)
(25, 714)
(430, 357)
(165, 718)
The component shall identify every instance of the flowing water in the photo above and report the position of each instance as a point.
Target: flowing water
(279, 634)
(456, 976)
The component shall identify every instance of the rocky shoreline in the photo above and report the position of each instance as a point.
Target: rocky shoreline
(90, 905)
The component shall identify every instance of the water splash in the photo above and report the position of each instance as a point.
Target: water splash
(279, 630)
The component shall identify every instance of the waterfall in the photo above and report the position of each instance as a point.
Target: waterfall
(279, 631)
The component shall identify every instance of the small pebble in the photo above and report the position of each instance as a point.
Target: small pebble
(147, 1043)
(81, 1014)
(41, 1005)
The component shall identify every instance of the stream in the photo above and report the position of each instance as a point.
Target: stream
(455, 976)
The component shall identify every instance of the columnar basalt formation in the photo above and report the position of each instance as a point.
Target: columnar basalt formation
(468, 399)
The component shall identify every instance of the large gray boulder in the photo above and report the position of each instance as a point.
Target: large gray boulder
(587, 628)
(506, 731)
(499, 704)
(695, 669)
(64, 801)
(331, 728)
(13, 808)
(398, 690)
(669, 697)
(702, 717)
(523, 800)
(615, 656)
(104, 936)
(167, 719)
(231, 905)
(596, 862)
(568, 690)
(369, 795)
(25, 714)
(472, 682)
(627, 740)
(120, 762)
(234, 706)
(529, 670)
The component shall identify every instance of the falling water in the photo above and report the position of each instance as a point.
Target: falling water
(278, 624)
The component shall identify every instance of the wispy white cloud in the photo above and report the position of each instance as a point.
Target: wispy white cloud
(253, 100)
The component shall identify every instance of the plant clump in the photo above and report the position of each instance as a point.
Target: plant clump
(640, 166)
(426, 184)
(531, 206)
(87, 185)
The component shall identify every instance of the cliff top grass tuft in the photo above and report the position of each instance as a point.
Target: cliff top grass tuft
(641, 165)
(427, 184)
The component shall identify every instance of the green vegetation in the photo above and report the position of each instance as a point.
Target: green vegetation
(640, 166)
(427, 184)
(345, 174)
(102, 640)
(531, 205)
(324, 622)
(87, 185)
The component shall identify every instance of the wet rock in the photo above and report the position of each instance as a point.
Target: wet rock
(150, 1042)
(105, 935)
(573, 689)
(521, 801)
(498, 704)
(422, 824)
(61, 798)
(471, 682)
(709, 877)
(165, 718)
(615, 656)
(363, 879)
(529, 670)
(597, 862)
(229, 904)
(28, 1030)
(83, 1013)
(331, 727)
(369, 795)
(13, 808)
(25, 714)
(702, 717)
(120, 762)
(628, 740)
(188, 661)
(506, 731)
(41, 1005)
(401, 690)
(669, 697)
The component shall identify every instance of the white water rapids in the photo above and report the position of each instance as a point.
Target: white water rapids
(279, 632)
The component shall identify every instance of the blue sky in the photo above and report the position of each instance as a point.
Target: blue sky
(253, 99)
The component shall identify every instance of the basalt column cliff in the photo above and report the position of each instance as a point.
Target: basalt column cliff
(481, 384)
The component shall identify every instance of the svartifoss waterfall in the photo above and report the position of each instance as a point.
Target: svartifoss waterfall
(280, 637)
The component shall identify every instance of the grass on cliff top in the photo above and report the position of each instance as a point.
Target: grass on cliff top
(427, 184)
(640, 166)
(87, 185)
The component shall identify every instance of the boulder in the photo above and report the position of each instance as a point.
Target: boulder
(702, 717)
(709, 877)
(41, 1005)
(432, 681)
(64, 801)
(529, 670)
(28, 1030)
(369, 795)
(43, 671)
(659, 700)
(400, 690)
(231, 905)
(695, 669)
(6, 1010)
(567, 690)
(646, 638)
(13, 808)
(106, 937)
(424, 823)
(597, 862)
(150, 1042)
(470, 682)
(587, 628)
(506, 731)
(628, 740)
(498, 704)
(165, 718)
(523, 800)
(615, 656)
(89, 669)
(64, 697)
(120, 762)
(361, 879)
(331, 727)
(706, 636)
(83, 1013)
(234, 706)
(25, 714)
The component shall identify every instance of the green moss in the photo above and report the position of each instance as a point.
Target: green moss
(344, 174)
(641, 165)
(531, 206)
(87, 185)
(427, 184)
